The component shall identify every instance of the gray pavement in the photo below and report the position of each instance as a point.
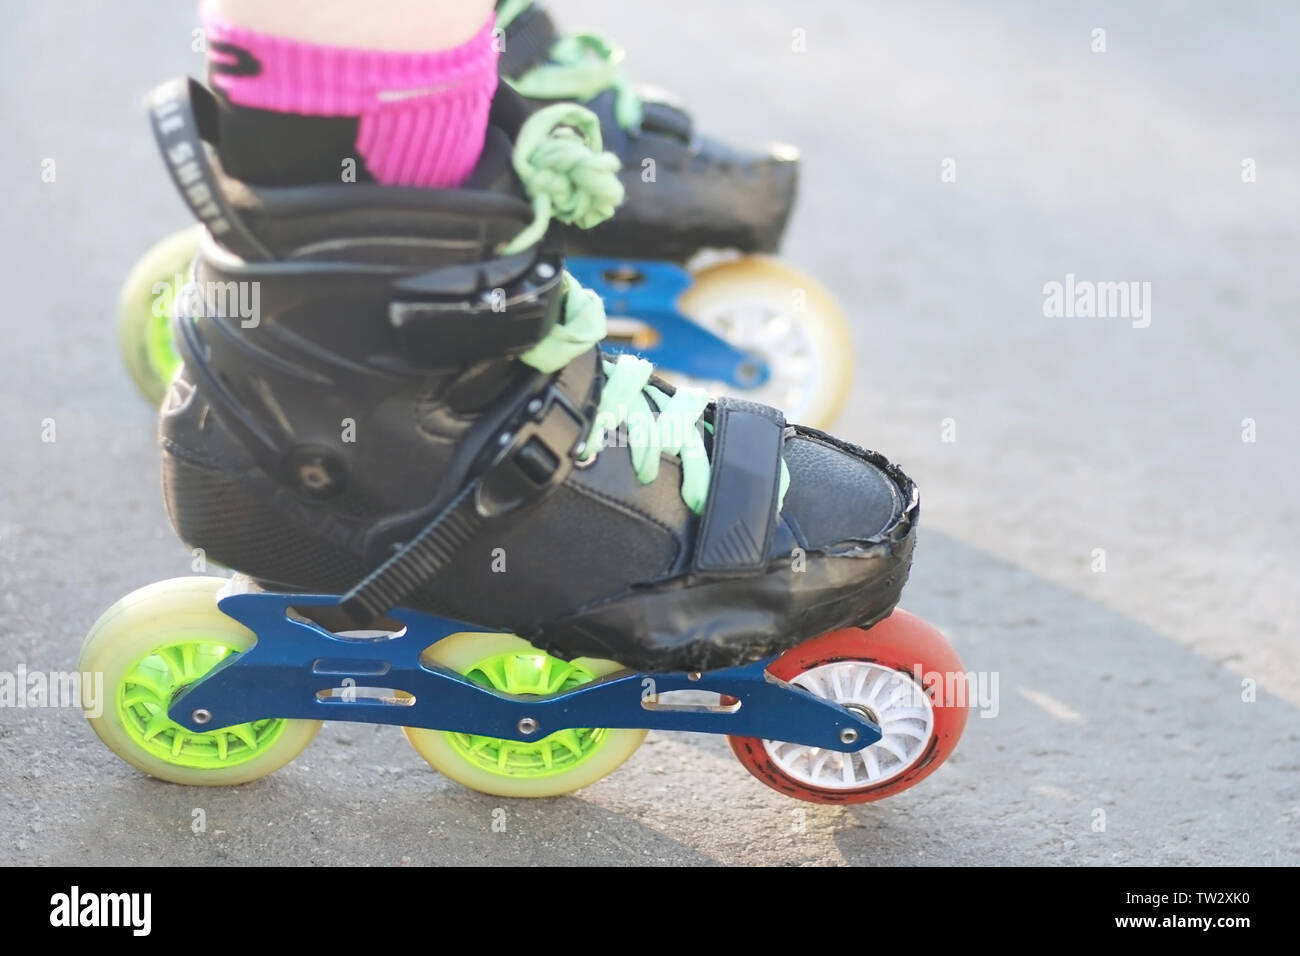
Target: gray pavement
(1159, 695)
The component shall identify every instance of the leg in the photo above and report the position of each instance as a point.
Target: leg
(399, 26)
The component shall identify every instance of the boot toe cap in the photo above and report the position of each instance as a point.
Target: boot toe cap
(837, 496)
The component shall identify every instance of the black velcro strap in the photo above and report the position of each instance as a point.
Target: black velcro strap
(418, 562)
(740, 513)
(527, 42)
(182, 116)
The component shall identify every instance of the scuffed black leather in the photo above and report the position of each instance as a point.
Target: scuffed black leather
(850, 574)
(826, 475)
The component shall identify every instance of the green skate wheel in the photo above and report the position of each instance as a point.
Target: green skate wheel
(145, 309)
(788, 319)
(149, 646)
(563, 762)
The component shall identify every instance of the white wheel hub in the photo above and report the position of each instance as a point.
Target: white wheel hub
(892, 698)
(785, 344)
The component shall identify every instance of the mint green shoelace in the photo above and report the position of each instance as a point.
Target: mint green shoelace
(558, 156)
(567, 177)
(578, 67)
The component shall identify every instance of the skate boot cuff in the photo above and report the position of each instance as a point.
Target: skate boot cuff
(525, 37)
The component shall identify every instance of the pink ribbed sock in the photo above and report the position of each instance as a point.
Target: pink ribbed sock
(422, 117)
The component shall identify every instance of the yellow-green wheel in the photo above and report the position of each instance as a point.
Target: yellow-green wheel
(560, 763)
(149, 647)
(787, 318)
(144, 312)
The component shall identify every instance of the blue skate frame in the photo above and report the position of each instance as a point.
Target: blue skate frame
(650, 296)
(300, 670)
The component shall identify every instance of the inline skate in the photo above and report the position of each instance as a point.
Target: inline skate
(746, 325)
(449, 511)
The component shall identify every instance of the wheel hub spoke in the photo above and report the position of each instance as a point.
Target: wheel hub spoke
(147, 691)
(898, 704)
(528, 674)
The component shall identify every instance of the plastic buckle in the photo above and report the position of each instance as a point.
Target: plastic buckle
(535, 457)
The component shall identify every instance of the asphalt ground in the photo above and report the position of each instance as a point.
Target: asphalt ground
(957, 159)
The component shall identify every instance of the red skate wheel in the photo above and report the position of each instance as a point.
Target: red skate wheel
(875, 671)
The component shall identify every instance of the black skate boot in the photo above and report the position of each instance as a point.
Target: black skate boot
(414, 411)
(734, 319)
(685, 192)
